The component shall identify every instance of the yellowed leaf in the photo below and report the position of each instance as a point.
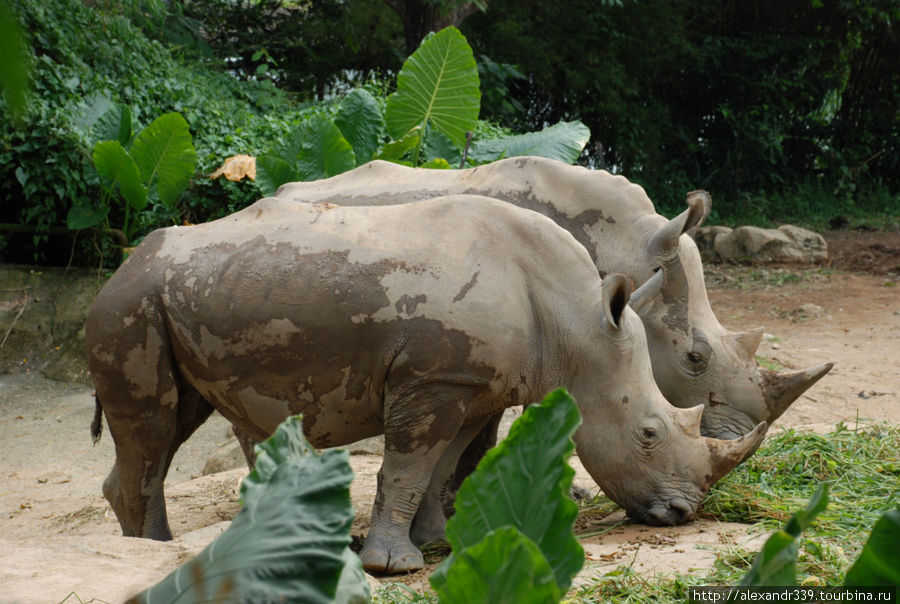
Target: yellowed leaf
(237, 167)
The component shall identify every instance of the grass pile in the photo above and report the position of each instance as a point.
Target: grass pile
(861, 464)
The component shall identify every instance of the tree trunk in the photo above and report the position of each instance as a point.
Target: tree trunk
(419, 17)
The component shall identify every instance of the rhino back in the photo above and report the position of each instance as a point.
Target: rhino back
(609, 215)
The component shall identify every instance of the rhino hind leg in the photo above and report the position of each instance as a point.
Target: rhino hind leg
(431, 517)
(419, 425)
(145, 446)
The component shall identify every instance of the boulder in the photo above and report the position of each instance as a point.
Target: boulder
(787, 243)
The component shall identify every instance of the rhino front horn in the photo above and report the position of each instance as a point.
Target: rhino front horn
(782, 389)
(726, 454)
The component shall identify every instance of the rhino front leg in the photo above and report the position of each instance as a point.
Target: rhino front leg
(419, 424)
(431, 517)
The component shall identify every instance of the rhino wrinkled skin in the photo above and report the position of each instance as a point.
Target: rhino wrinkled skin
(421, 321)
(695, 359)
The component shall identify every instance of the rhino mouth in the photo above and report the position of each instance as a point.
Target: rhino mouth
(725, 422)
(675, 511)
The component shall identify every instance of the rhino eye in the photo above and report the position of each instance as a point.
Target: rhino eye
(696, 360)
(651, 432)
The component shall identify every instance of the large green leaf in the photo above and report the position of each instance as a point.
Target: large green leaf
(524, 482)
(438, 84)
(776, 563)
(505, 567)
(563, 141)
(879, 562)
(117, 168)
(80, 217)
(165, 156)
(114, 124)
(289, 540)
(359, 120)
(324, 151)
(13, 63)
(279, 165)
(394, 151)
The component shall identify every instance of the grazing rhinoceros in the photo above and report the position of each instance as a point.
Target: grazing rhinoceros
(421, 321)
(695, 359)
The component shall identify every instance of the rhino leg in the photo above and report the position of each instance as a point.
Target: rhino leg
(419, 424)
(431, 519)
(145, 445)
(247, 444)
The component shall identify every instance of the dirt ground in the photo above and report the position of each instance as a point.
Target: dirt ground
(59, 541)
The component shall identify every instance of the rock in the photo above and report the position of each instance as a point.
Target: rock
(225, 457)
(705, 238)
(787, 243)
(367, 446)
(808, 312)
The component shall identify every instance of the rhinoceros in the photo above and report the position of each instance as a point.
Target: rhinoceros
(422, 322)
(695, 359)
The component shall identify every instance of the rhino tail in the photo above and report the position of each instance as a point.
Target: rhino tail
(97, 423)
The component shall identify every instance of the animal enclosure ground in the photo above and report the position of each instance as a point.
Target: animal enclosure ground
(58, 535)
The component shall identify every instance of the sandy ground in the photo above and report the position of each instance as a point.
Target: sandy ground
(59, 541)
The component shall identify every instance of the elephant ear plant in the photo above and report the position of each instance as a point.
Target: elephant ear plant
(512, 534)
(154, 166)
(290, 540)
(428, 121)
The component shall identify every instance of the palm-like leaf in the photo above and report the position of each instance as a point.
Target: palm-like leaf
(324, 151)
(524, 482)
(563, 141)
(165, 156)
(505, 567)
(438, 84)
(117, 168)
(289, 540)
(359, 120)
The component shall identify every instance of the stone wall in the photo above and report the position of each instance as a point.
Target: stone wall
(42, 315)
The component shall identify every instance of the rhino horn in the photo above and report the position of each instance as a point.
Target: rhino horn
(664, 242)
(689, 419)
(746, 342)
(782, 389)
(642, 296)
(726, 454)
(616, 292)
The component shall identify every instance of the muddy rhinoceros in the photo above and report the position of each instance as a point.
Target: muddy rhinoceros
(421, 321)
(695, 359)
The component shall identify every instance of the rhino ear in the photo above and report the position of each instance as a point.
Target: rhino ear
(699, 205)
(664, 243)
(642, 298)
(616, 291)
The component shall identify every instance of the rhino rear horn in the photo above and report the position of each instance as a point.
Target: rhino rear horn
(642, 297)
(782, 389)
(616, 291)
(746, 342)
(726, 454)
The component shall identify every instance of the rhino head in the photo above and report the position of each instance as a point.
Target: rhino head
(647, 455)
(697, 361)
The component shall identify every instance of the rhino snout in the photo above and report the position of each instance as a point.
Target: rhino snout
(668, 513)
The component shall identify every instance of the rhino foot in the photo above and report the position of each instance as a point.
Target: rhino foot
(391, 558)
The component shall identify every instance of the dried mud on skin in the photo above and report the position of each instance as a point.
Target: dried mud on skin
(58, 535)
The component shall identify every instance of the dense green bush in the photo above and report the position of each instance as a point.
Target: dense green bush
(81, 53)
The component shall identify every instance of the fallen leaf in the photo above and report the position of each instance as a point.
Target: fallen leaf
(236, 168)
